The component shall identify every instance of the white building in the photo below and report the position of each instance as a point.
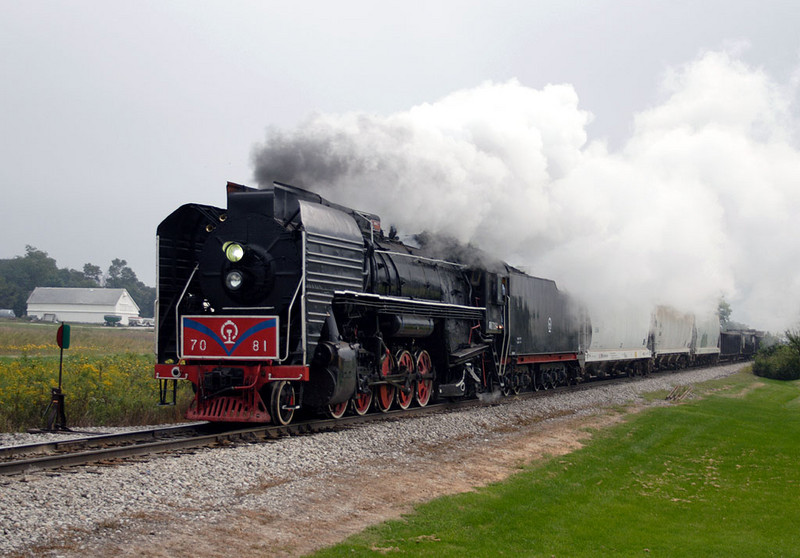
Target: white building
(65, 304)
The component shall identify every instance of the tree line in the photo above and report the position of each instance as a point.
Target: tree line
(21, 274)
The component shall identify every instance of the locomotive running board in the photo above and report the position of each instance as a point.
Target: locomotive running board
(400, 305)
(463, 355)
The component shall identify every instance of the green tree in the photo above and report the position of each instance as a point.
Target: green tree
(793, 340)
(93, 273)
(724, 310)
(21, 274)
(120, 276)
(11, 295)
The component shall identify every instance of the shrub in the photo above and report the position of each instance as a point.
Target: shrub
(779, 362)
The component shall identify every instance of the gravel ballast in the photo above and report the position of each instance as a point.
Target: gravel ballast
(160, 506)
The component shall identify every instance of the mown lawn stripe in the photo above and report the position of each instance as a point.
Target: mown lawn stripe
(719, 476)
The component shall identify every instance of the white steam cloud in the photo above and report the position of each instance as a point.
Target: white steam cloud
(702, 201)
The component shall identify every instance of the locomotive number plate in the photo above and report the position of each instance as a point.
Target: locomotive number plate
(234, 337)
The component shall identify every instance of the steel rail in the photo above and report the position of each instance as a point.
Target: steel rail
(250, 434)
(99, 439)
(68, 457)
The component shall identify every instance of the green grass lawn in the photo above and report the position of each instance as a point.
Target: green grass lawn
(717, 477)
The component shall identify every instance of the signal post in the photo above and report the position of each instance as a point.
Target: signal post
(56, 415)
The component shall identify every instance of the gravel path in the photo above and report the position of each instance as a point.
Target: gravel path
(296, 494)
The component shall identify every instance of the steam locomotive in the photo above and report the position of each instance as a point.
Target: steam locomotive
(286, 302)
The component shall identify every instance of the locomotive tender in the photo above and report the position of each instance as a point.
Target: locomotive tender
(285, 301)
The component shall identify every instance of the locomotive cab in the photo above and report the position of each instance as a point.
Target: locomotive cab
(496, 303)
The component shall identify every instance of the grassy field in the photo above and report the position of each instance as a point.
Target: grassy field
(21, 338)
(107, 376)
(718, 476)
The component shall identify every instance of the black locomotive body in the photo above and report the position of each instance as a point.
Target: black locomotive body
(285, 301)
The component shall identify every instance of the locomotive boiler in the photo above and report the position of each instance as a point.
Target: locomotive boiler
(285, 302)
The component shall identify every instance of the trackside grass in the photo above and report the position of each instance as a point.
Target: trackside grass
(717, 476)
(107, 377)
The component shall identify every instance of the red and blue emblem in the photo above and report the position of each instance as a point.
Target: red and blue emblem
(235, 337)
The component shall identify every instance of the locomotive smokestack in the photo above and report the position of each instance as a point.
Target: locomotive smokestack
(243, 200)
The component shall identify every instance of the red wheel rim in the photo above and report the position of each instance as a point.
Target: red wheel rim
(282, 395)
(405, 365)
(424, 387)
(361, 403)
(337, 411)
(385, 396)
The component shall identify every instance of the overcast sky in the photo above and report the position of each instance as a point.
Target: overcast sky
(112, 114)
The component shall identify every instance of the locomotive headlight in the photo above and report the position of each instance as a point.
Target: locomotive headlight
(234, 280)
(233, 251)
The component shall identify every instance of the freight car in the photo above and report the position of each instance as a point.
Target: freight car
(670, 338)
(618, 342)
(627, 339)
(705, 339)
(739, 344)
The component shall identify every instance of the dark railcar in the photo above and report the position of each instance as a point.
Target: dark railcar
(739, 344)
(546, 331)
(730, 345)
(544, 320)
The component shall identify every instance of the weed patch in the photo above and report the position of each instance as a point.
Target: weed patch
(107, 377)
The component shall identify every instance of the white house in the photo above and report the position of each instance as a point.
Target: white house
(67, 304)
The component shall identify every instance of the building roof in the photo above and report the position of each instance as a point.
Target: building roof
(74, 295)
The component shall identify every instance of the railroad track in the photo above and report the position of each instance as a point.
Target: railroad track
(114, 448)
(93, 448)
